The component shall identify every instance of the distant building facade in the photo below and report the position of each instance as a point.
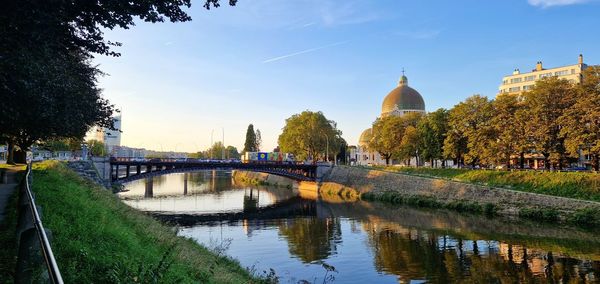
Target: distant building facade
(110, 138)
(518, 82)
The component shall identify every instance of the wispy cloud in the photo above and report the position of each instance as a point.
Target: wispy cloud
(550, 3)
(303, 52)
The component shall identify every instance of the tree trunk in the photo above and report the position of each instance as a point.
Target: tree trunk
(546, 162)
(596, 162)
(522, 161)
(560, 164)
(10, 159)
(443, 163)
(387, 160)
(508, 161)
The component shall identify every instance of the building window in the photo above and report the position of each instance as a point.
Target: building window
(530, 78)
(561, 73)
(545, 75)
(527, 88)
(514, 89)
(572, 71)
(504, 82)
(515, 80)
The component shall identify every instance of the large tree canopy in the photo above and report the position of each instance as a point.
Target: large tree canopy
(308, 135)
(47, 84)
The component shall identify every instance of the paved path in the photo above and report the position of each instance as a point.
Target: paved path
(8, 185)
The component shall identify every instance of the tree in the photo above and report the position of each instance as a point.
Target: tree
(432, 130)
(386, 134)
(307, 135)
(511, 135)
(45, 76)
(231, 152)
(97, 148)
(409, 145)
(250, 143)
(258, 140)
(546, 103)
(581, 121)
(469, 122)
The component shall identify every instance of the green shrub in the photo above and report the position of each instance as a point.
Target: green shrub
(585, 217)
(541, 214)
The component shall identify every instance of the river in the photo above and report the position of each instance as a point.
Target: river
(328, 240)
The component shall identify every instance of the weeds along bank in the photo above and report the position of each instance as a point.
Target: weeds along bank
(392, 187)
(99, 239)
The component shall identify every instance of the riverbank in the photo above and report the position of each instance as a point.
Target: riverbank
(578, 185)
(401, 188)
(97, 238)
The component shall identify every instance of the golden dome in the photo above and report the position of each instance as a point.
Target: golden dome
(365, 137)
(402, 97)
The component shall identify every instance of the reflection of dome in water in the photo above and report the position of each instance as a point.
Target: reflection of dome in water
(365, 137)
(402, 98)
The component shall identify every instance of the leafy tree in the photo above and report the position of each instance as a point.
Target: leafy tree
(45, 77)
(511, 136)
(96, 148)
(307, 135)
(581, 121)
(250, 143)
(433, 129)
(546, 103)
(386, 134)
(231, 152)
(469, 122)
(258, 140)
(410, 145)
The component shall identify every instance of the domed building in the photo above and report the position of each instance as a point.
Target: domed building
(398, 102)
(401, 100)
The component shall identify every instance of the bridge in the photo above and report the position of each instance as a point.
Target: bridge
(129, 169)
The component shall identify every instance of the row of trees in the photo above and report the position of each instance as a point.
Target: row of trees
(48, 86)
(311, 136)
(217, 151)
(557, 121)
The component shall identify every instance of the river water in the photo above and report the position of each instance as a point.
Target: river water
(303, 237)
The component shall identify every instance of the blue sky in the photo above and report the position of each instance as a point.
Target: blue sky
(264, 60)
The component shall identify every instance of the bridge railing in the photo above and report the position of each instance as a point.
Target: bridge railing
(194, 160)
(34, 251)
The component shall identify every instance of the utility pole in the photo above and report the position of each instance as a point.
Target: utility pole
(211, 143)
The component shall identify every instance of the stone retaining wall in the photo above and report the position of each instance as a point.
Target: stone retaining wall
(509, 201)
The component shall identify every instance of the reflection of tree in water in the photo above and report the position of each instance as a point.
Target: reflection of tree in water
(311, 239)
(412, 254)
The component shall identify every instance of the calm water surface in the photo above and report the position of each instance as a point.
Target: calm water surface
(303, 237)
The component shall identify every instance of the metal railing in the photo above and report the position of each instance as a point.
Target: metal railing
(46, 250)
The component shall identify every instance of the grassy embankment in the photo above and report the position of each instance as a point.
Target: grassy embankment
(98, 239)
(584, 186)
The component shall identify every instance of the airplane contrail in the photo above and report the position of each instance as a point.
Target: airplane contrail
(303, 51)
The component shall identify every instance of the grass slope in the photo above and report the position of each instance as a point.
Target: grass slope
(584, 186)
(98, 239)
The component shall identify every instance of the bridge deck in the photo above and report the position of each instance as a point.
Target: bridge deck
(133, 168)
